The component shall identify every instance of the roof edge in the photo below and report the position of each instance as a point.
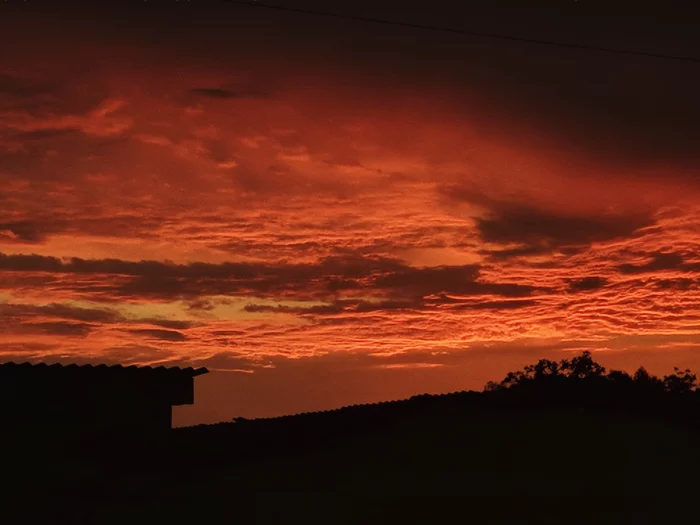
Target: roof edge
(193, 372)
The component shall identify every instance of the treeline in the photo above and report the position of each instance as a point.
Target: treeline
(551, 391)
(583, 370)
(562, 386)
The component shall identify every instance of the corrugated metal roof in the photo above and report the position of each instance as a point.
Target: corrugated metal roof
(69, 369)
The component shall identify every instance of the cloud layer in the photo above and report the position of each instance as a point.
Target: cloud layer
(306, 216)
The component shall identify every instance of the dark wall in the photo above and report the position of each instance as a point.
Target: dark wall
(67, 385)
(52, 424)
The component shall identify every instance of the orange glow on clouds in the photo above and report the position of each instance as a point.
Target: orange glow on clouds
(326, 238)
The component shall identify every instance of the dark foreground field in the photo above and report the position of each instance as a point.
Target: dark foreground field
(449, 459)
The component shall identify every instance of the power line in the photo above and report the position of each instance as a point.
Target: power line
(464, 32)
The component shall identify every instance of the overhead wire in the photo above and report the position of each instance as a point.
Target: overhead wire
(498, 36)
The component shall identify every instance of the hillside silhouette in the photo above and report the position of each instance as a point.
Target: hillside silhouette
(555, 442)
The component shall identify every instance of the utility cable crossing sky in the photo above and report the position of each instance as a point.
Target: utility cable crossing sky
(497, 36)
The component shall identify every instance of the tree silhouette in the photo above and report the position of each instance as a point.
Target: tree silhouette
(583, 369)
(680, 382)
(644, 380)
(619, 377)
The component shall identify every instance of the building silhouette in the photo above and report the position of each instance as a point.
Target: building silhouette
(91, 401)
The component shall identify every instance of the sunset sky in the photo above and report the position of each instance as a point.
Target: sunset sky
(326, 212)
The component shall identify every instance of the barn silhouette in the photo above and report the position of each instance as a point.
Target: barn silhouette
(91, 401)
